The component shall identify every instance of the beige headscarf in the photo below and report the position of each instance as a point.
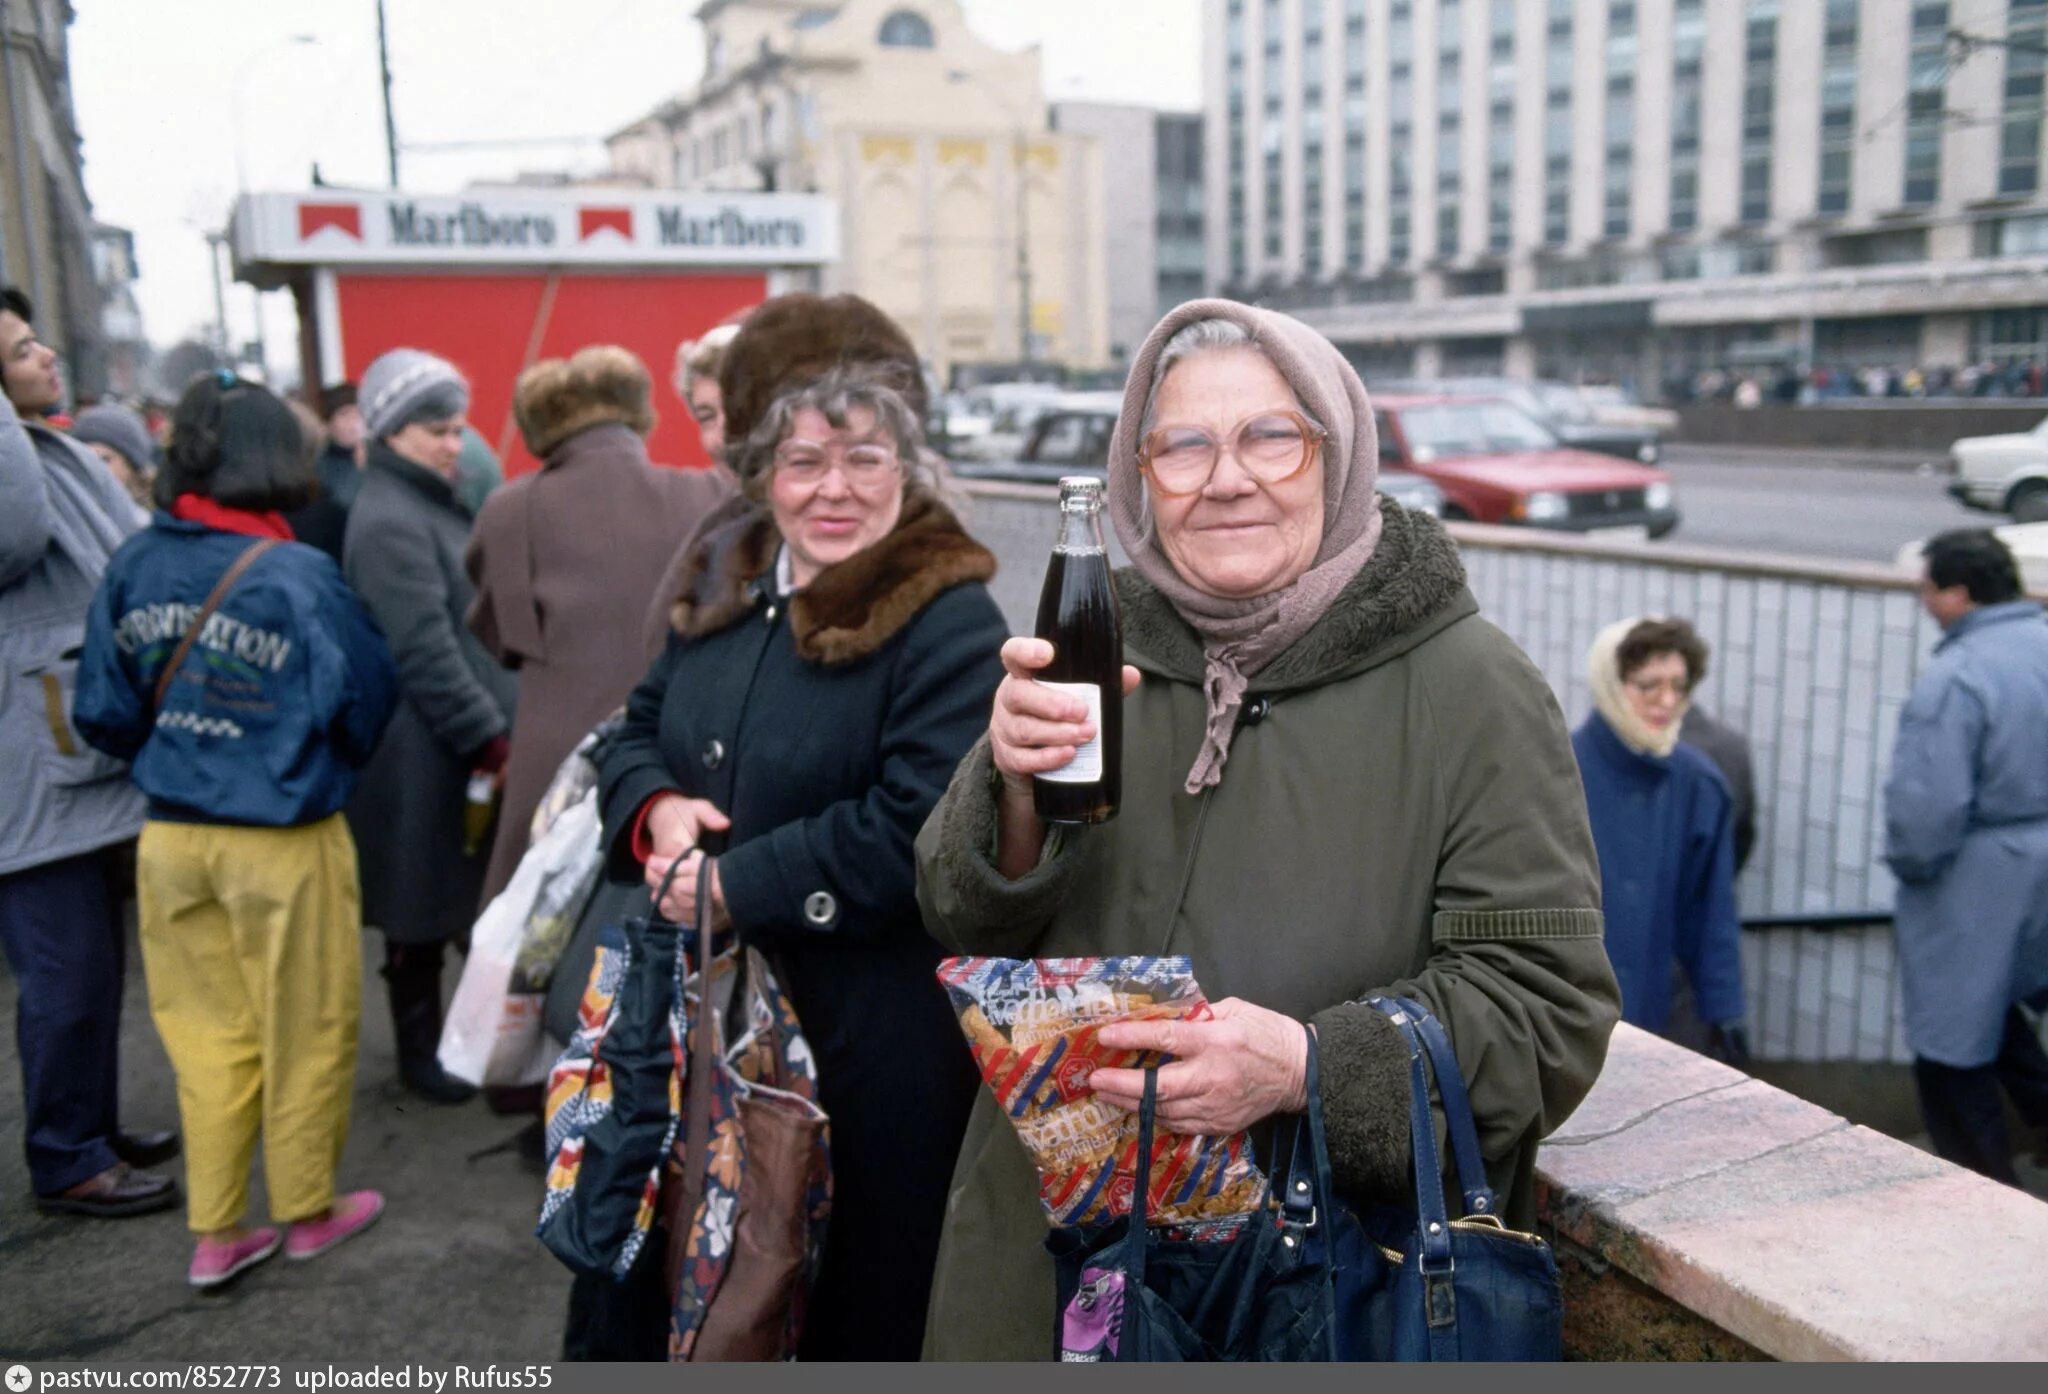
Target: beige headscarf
(1240, 637)
(1603, 670)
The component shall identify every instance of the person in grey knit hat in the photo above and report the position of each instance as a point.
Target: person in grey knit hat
(407, 386)
(121, 438)
(407, 531)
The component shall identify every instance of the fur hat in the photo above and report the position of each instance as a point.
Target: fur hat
(792, 339)
(557, 397)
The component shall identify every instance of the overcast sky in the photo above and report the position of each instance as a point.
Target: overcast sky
(179, 102)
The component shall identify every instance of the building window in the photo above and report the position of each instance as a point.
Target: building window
(906, 29)
(1838, 105)
(1759, 96)
(1876, 248)
(1926, 96)
(1688, 56)
(1234, 140)
(1354, 135)
(1450, 76)
(1485, 281)
(1557, 124)
(2026, 60)
(1500, 133)
(1621, 117)
(2013, 237)
(1400, 131)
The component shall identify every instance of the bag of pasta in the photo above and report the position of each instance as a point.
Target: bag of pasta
(1033, 1025)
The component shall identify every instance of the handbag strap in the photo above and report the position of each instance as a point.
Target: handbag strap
(703, 1040)
(1310, 1198)
(1138, 1234)
(1425, 1035)
(220, 590)
(1450, 1089)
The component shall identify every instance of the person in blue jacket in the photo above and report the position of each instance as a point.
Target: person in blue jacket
(1966, 833)
(246, 743)
(1663, 822)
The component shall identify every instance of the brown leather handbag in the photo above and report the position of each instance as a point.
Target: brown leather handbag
(748, 1185)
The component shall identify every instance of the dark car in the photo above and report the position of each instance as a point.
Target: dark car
(1495, 464)
(1557, 406)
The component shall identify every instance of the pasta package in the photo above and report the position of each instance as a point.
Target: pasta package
(1033, 1026)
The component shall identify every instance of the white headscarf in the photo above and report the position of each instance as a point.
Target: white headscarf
(1610, 695)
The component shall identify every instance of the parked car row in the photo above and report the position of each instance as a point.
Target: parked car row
(1447, 456)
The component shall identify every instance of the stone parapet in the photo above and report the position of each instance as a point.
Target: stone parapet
(1699, 1212)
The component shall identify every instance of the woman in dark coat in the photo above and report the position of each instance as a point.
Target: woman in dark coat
(406, 535)
(834, 654)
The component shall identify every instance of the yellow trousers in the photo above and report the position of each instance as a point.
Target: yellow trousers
(251, 943)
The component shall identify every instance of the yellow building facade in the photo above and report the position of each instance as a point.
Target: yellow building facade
(962, 214)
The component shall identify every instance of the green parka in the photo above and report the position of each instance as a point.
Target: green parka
(1400, 811)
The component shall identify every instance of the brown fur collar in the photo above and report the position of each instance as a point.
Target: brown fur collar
(557, 397)
(850, 610)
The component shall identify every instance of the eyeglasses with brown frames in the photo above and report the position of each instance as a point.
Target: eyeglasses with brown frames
(1271, 446)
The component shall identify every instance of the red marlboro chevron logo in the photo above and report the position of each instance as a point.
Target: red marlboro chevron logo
(591, 221)
(343, 217)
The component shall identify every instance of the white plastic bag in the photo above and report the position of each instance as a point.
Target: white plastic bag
(492, 1034)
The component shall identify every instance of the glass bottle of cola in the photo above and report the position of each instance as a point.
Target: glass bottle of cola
(1077, 616)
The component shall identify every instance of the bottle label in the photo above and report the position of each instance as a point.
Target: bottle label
(1086, 766)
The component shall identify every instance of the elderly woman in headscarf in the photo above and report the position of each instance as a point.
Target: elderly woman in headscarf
(407, 531)
(1338, 781)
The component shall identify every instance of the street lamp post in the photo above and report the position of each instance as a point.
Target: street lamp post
(238, 112)
(1020, 140)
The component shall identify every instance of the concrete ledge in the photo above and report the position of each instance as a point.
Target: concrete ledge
(1798, 1233)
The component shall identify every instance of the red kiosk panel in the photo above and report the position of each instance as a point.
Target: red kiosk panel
(492, 324)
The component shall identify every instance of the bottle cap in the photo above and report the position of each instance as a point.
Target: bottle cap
(1080, 484)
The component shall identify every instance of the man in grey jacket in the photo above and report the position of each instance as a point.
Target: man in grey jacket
(1966, 833)
(69, 809)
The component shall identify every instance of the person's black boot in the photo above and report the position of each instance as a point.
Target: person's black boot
(413, 974)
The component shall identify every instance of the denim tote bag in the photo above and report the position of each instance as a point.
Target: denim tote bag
(1265, 1292)
(1464, 1289)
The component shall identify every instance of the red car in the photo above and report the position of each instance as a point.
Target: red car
(1495, 464)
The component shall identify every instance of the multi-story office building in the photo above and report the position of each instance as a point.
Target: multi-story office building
(962, 213)
(1152, 196)
(1635, 188)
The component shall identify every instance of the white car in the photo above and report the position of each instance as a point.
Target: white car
(2003, 474)
(2028, 543)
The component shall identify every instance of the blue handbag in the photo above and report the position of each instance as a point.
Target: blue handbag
(1128, 1292)
(1464, 1289)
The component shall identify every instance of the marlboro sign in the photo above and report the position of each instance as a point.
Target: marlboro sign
(603, 227)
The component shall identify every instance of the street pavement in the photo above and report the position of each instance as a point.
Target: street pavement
(1857, 508)
(451, 1273)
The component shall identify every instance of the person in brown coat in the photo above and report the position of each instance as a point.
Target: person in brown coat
(566, 560)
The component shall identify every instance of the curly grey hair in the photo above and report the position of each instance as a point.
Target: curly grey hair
(833, 396)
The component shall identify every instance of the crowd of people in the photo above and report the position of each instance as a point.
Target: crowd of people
(269, 701)
(1786, 386)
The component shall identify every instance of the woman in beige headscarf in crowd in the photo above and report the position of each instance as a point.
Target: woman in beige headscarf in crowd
(1338, 780)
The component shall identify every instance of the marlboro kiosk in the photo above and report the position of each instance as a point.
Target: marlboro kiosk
(494, 280)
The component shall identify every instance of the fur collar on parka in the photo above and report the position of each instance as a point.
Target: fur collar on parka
(1412, 586)
(849, 610)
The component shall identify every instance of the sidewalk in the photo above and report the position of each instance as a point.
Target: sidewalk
(451, 1273)
(1685, 452)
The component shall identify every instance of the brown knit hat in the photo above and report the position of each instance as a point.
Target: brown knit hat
(557, 397)
(794, 339)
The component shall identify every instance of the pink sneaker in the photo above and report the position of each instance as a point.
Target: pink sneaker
(349, 1216)
(217, 1260)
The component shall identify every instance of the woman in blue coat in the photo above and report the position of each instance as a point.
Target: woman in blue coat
(1663, 822)
(246, 685)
